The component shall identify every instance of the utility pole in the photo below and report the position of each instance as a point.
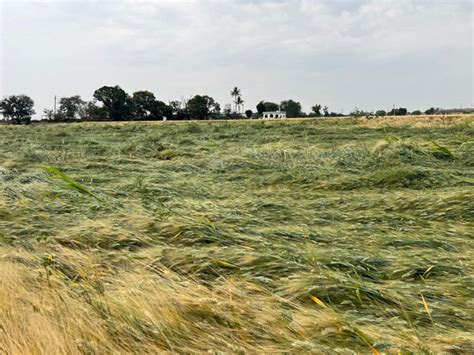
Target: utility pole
(54, 107)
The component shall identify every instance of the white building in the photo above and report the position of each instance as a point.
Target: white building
(274, 114)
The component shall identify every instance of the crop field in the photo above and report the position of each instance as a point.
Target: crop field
(305, 236)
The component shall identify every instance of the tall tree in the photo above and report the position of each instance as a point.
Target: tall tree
(179, 110)
(116, 102)
(431, 111)
(147, 107)
(17, 108)
(202, 107)
(317, 110)
(176, 106)
(71, 108)
(94, 112)
(271, 106)
(264, 106)
(292, 108)
(160, 110)
(326, 111)
(260, 107)
(397, 112)
(239, 102)
(48, 114)
(235, 93)
(143, 104)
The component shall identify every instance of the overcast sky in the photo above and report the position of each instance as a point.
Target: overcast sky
(369, 54)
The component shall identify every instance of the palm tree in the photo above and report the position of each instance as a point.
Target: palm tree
(239, 102)
(235, 93)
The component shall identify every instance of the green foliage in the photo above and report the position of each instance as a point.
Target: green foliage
(179, 110)
(71, 108)
(431, 111)
(147, 107)
(70, 182)
(143, 104)
(398, 112)
(441, 152)
(356, 113)
(201, 107)
(292, 108)
(264, 106)
(95, 112)
(316, 110)
(326, 111)
(17, 108)
(236, 94)
(116, 102)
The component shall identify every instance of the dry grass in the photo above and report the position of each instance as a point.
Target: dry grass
(313, 236)
(143, 313)
(418, 121)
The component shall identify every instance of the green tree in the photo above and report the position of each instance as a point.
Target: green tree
(292, 108)
(179, 110)
(147, 107)
(202, 107)
(48, 114)
(431, 111)
(398, 112)
(357, 113)
(249, 113)
(71, 108)
(143, 104)
(17, 108)
(227, 111)
(316, 110)
(326, 111)
(235, 94)
(264, 106)
(176, 106)
(94, 112)
(271, 106)
(159, 110)
(239, 102)
(416, 112)
(116, 102)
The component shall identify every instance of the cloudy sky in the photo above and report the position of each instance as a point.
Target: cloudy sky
(367, 53)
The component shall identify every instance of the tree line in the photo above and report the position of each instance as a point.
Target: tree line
(112, 103)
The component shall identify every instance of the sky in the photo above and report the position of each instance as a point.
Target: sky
(370, 54)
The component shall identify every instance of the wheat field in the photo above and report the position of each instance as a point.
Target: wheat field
(305, 236)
